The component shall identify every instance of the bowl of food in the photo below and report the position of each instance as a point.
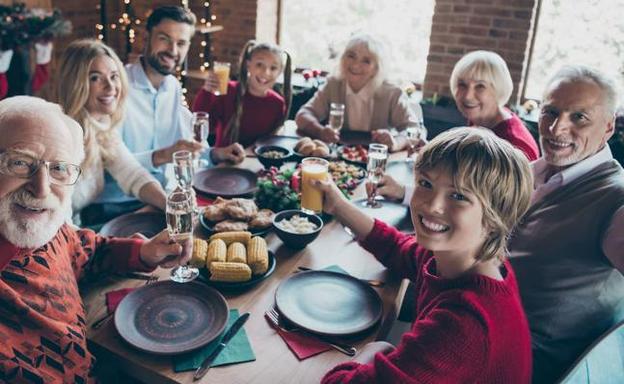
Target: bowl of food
(297, 228)
(272, 155)
(307, 147)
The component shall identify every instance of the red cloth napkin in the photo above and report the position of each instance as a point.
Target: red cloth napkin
(114, 297)
(303, 346)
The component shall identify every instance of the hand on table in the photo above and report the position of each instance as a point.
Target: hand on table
(388, 188)
(161, 251)
(328, 135)
(165, 155)
(384, 136)
(367, 354)
(233, 153)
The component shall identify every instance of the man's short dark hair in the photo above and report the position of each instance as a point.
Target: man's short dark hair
(171, 12)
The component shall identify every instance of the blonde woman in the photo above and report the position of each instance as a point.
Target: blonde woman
(371, 102)
(92, 89)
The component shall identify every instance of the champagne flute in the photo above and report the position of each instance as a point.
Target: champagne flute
(184, 170)
(179, 213)
(413, 138)
(336, 119)
(200, 125)
(376, 167)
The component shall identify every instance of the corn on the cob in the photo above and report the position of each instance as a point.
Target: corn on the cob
(232, 237)
(236, 253)
(217, 251)
(257, 255)
(200, 249)
(230, 272)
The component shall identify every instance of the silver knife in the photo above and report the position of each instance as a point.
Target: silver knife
(205, 365)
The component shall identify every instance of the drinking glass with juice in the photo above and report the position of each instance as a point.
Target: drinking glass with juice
(222, 70)
(312, 168)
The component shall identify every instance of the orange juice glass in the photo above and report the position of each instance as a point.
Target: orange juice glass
(222, 70)
(312, 168)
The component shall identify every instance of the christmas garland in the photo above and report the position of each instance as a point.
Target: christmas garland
(20, 25)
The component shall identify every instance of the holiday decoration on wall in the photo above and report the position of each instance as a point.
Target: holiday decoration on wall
(24, 33)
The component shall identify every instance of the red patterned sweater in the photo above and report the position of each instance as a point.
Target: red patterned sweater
(42, 318)
(467, 330)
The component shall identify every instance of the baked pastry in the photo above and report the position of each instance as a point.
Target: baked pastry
(320, 151)
(241, 209)
(306, 149)
(301, 142)
(263, 219)
(230, 226)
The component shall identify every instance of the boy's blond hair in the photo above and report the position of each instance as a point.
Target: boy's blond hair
(498, 174)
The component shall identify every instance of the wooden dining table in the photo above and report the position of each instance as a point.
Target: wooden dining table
(274, 363)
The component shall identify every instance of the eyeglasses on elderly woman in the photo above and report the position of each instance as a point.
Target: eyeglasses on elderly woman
(24, 166)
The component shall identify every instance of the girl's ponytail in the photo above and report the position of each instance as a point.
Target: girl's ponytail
(233, 127)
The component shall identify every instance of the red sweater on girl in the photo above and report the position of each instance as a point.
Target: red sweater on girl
(260, 114)
(467, 330)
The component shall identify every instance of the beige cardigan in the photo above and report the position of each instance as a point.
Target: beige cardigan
(391, 106)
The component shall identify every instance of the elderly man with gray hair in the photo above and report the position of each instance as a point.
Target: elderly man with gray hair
(568, 250)
(42, 318)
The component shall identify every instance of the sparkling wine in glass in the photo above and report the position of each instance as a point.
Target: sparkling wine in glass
(183, 169)
(336, 118)
(199, 128)
(413, 138)
(179, 213)
(376, 167)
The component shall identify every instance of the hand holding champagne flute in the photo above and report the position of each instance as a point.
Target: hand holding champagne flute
(179, 213)
(376, 167)
(336, 118)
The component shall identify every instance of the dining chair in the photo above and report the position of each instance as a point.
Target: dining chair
(602, 362)
(400, 316)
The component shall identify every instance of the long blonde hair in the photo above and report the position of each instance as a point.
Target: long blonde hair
(73, 93)
(251, 47)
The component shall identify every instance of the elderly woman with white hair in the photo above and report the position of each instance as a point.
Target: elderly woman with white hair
(372, 104)
(481, 85)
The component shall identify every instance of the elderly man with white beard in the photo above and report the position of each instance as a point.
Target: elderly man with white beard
(42, 318)
(568, 250)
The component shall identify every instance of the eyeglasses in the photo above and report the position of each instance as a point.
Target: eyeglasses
(25, 166)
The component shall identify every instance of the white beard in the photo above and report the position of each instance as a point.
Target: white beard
(32, 234)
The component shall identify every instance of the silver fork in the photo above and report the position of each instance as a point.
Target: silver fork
(274, 317)
(101, 321)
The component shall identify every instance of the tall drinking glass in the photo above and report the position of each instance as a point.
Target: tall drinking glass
(413, 138)
(180, 226)
(376, 167)
(222, 70)
(184, 170)
(200, 125)
(336, 118)
(312, 168)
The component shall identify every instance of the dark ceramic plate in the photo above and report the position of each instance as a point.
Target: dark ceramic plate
(395, 214)
(168, 318)
(329, 303)
(282, 141)
(146, 223)
(225, 182)
(354, 137)
(243, 285)
(209, 227)
(401, 171)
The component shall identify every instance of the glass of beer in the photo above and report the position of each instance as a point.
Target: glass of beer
(222, 70)
(312, 168)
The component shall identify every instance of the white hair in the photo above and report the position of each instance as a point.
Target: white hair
(377, 51)
(485, 66)
(34, 108)
(581, 73)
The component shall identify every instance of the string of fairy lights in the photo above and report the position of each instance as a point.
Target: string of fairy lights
(128, 23)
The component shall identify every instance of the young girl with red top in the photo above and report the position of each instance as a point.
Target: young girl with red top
(251, 108)
(471, 189)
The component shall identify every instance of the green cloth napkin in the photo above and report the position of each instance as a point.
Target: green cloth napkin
(238, 350)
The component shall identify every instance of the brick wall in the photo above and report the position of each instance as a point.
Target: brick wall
(461, 26)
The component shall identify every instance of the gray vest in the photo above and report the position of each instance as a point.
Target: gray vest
(570, 291)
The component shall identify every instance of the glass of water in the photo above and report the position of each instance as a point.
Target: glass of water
(336, 118)
(180, 227)
(375, 168)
